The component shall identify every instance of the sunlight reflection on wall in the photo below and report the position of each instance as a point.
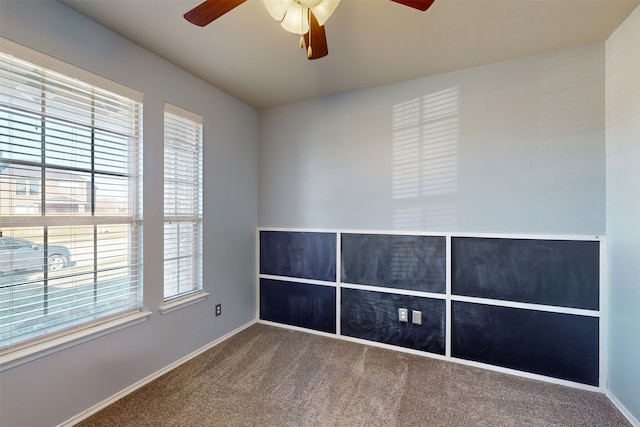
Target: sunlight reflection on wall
(425, 162)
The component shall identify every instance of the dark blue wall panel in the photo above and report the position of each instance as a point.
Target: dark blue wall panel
(395, 261)
(305, 255)
(373, 316)
(552, 272)
(563, 346)
(298, 304)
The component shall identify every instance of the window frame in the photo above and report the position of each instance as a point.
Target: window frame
(32, 347)
(192, 135)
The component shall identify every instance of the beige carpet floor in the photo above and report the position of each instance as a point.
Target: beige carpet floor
(268, 376)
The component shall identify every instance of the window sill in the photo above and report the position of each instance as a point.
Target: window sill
(179, 303)
(54, 345)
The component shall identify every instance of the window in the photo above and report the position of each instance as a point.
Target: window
(70, 252)
(34, 187)
(21, 187)
(182, 202)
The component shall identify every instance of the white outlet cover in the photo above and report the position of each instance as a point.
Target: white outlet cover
(416, 317)
(403, 315)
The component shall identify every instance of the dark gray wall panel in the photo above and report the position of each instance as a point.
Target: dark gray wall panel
(373, 316)
(554, 272)
(395, 261)
(563, 346)
(307, 255)
(298, 304)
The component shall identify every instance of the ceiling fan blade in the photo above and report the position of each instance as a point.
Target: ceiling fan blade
(318, 39)
(210, 10)
(416, 4)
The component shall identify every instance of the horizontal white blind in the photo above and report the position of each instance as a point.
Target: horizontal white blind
(182, 202)
(70, 218)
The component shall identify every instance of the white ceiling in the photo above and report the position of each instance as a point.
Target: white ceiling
(371, 42)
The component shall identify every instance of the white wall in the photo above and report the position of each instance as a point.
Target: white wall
(55, 388)
(623, 211)
(514, 147)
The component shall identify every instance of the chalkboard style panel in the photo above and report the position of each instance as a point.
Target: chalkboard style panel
(553, 272)
(395, 261)
(298, 304)
(373, 316)
(306, 255)
(557, 345)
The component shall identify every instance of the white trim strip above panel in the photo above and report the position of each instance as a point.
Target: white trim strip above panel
(581, 237)
(299, 230)
(297, 280)
(397, 233)
(396, 291)
(530, 236)
(527, 306)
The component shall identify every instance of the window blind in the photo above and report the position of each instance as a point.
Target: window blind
(182, 202)
(70, 199)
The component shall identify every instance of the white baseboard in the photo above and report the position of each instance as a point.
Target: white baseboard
(112, 399)
(628, 415)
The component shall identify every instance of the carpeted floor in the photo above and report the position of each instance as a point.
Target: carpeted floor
(268, 376)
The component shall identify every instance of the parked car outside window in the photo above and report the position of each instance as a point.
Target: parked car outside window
(24, 255)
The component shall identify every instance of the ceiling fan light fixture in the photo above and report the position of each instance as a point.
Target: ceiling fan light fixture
(303, 17)
(293, 14)
(324, 9)
(277, 8)
(296, 20)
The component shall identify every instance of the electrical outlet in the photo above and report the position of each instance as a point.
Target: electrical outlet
(416, 317)
(403, 315)
(218, 309)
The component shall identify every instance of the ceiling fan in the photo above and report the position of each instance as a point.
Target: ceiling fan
(304, 17)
